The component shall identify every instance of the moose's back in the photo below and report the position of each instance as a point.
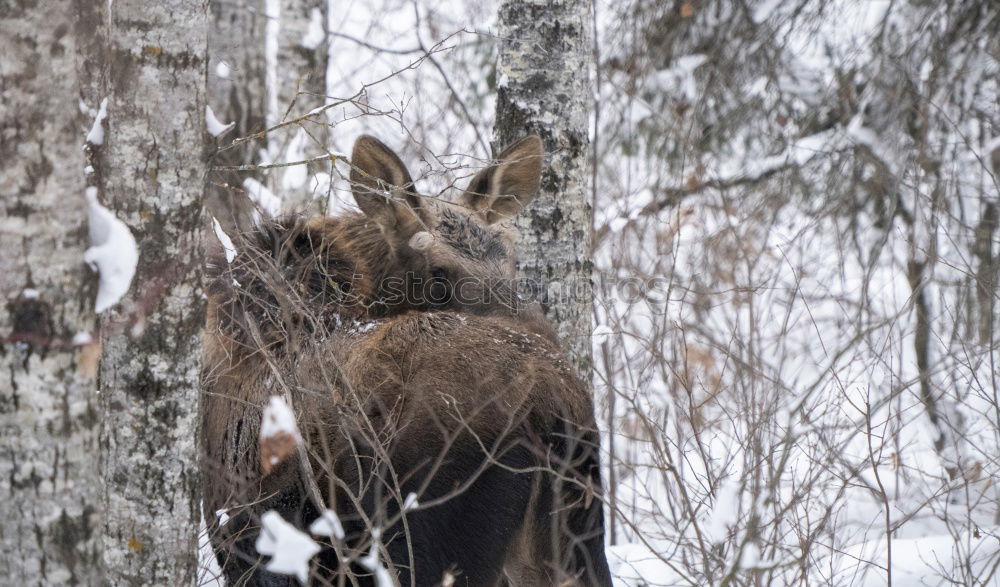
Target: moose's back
(483, 419)
(479, 417)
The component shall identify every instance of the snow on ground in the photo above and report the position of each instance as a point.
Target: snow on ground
(638, 565)
(966, 559)
(209, 573)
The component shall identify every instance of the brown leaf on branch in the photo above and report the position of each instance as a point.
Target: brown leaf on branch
(279, 434)
(275, 449)
(88, 359)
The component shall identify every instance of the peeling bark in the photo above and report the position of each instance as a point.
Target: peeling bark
(544, 88)
(152, 171)
(48, 422)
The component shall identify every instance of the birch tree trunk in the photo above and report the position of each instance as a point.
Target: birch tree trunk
(48, 422)
(152, 169)
(544, 87)
(236, 94)
(300, 87)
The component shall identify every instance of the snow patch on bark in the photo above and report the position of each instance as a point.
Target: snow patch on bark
(96, 135)
(113, 252)
(227, 243)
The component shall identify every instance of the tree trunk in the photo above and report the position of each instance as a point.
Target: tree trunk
(48, 474)
(301, 87)
(544, 87)
(236, 95)
(152, 170)
(302, 57)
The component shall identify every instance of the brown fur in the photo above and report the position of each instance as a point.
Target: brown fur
(398, 391)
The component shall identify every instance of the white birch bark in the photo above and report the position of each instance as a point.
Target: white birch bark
(48, 422)
(544, 87)
(153, 170)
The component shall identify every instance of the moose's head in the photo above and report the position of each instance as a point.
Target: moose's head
(404, 252)
(458, 254)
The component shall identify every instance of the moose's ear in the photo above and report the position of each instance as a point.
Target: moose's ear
(505, 188)
(383, 188)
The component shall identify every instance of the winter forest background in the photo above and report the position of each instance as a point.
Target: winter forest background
(793, 210)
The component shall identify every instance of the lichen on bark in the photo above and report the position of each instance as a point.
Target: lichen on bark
(48, 423)
(153, 173)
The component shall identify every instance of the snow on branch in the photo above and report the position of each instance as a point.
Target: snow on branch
(279, 434)
(289, 548)
(680, 77)
(328, 524)
(215, 127)
(113, 252)
(863, 135)
(371, 562)
(802, 151)
(798, 154)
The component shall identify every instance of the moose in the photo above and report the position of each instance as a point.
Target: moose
(414, 371)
